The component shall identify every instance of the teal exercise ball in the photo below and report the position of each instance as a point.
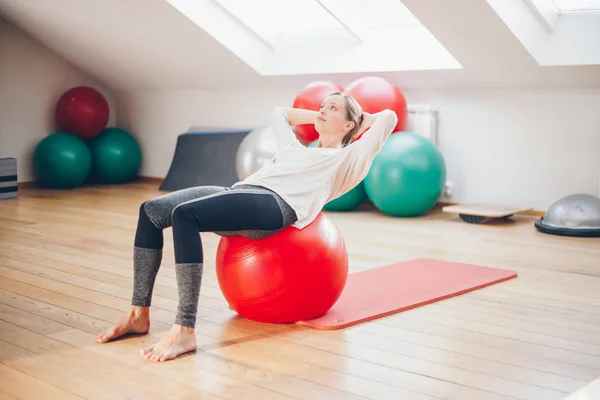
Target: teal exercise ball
(407, 176)
(116, 156)
(61, 161)
(349, 200)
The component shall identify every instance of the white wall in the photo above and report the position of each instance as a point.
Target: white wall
(526, 147)
(32, 78)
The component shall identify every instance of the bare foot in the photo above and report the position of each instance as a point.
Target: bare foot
(137, 320)
(180, 339)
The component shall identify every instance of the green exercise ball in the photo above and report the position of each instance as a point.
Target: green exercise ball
(116, 156)
(407, 176)
(61, 161)
(349, 200)
(313, 143)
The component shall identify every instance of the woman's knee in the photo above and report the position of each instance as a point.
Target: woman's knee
(143, 214)
(157, 212)
(181, 213)
(148, 235)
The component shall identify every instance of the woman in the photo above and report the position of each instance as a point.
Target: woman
(289, 191)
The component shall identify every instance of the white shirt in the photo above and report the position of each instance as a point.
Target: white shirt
(308, 178)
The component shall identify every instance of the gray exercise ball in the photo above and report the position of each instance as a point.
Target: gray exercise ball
(256, 150)
(573, 215)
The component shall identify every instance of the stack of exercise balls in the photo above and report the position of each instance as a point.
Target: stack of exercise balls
(408, 175)
(84, 149)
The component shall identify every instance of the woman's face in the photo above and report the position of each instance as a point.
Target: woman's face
(331, 119)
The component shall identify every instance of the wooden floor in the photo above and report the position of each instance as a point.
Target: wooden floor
(66, 274)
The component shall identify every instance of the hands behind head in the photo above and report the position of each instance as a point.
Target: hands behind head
(367, 122)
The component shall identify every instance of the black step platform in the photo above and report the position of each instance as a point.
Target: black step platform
(204, 158)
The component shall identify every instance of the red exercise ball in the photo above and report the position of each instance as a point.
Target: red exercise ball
(375, 94)
(82, 111)
(310, 98)
(292, 275)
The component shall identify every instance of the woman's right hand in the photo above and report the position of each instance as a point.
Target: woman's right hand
(367, 122)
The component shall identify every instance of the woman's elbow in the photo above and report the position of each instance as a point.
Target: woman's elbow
(387, 120)
(391, 119)
(277, 111)
(279, 114)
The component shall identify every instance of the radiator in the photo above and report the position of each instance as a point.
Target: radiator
(422, 120)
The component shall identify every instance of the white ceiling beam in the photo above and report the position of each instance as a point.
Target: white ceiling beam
(545, 11)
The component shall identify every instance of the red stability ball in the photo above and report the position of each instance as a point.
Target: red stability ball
(310, 98)
(82, 111)
(292, 275)
(376, 94)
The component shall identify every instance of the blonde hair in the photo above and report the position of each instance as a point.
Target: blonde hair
(354, 113)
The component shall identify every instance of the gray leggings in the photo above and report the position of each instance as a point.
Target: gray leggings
(250, 211)
(160, 210)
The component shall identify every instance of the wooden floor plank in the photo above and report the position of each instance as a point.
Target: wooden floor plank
(81, 383)
(577, 320)
(496, 341)
(56, 314)
(455, 357)
(82, 372)
(497, 329)
(18, 385)
(29, 321)
(214, 374)
(473, 348)
(68, 303)
(384, 380)
(333, 381)
(380, 354)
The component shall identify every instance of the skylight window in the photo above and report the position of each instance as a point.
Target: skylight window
(373, 13)
(282, 23)
(566, 6)
(371, 20)
(292, 37)
(555, 32)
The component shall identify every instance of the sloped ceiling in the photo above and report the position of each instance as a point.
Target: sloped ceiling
(149, 45)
